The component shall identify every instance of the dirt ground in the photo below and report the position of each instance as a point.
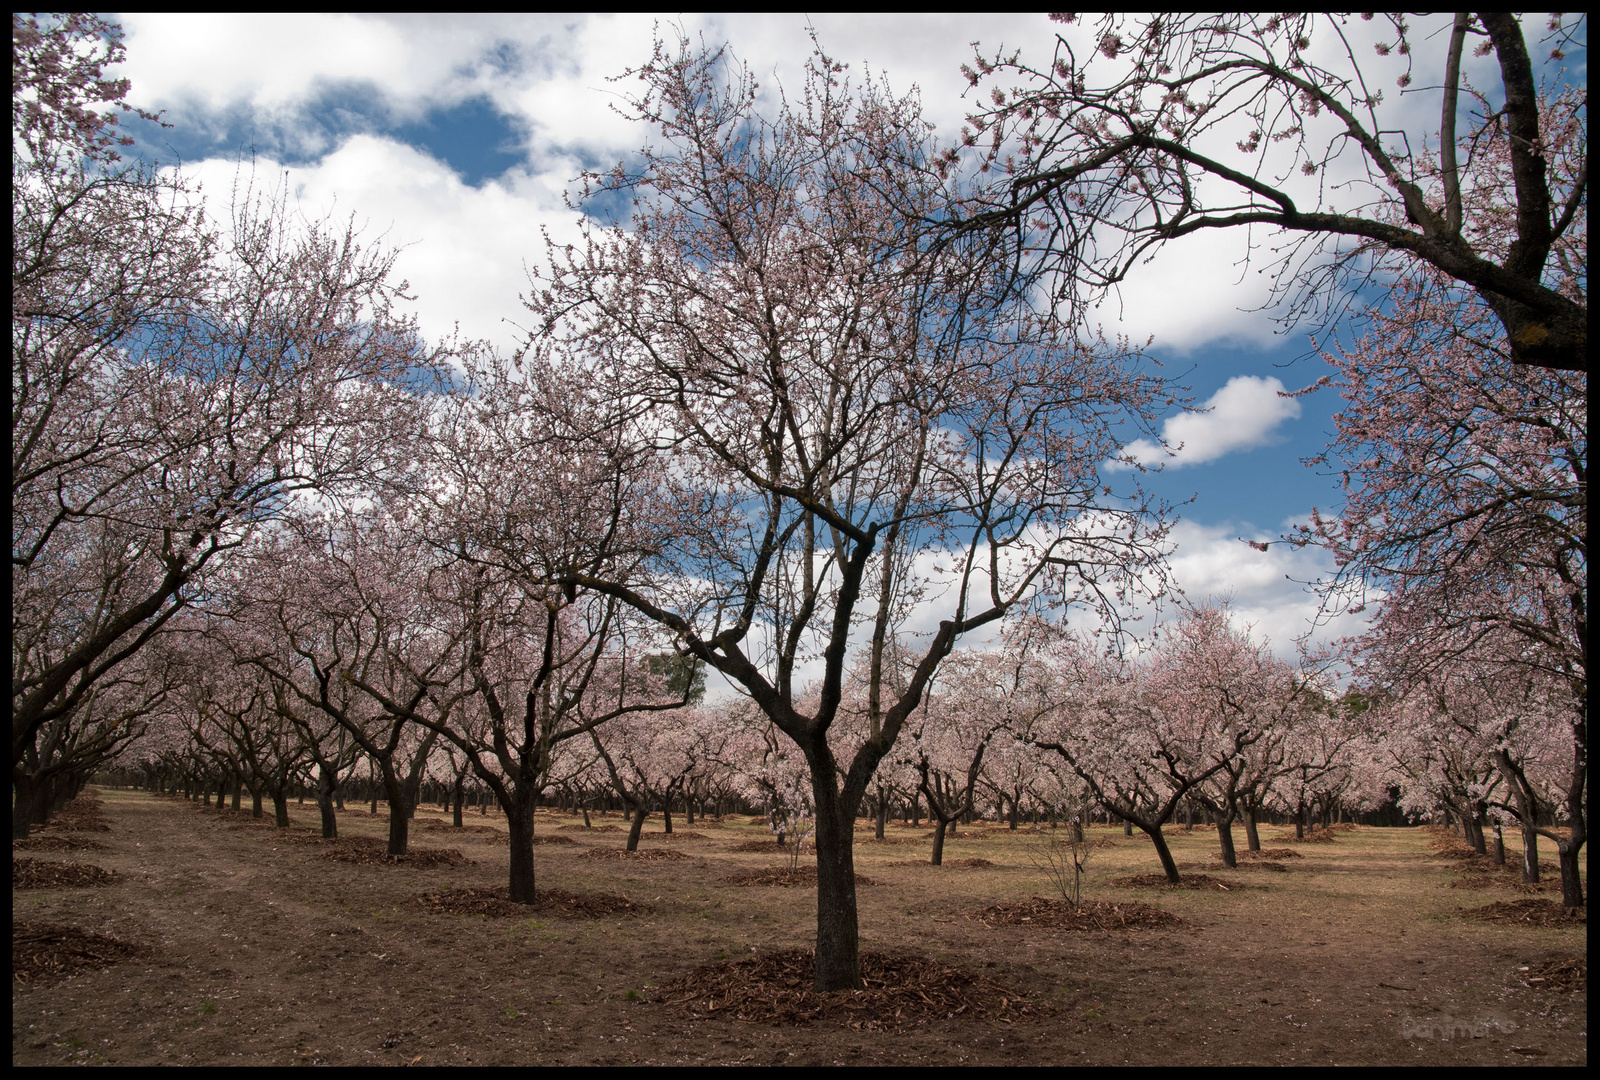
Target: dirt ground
(244, 944)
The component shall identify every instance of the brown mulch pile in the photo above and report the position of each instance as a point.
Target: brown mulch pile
(244, 822)
(81, 814)
(445, 826)
(303, 836)
(497, 903)
(975, 864)
(897, 992)
(1270, 853)
(362, 850)
(1188, 881)
(40, 874)
(669, 837)
(1565, 975)
(56, 843)
(1530, 913)
(1449, 843)
(1479, 879)
(759, 845)
(1321, 836)
(653, 855)
(784, 878)
(55, 949)
(590, 828)
(1057, 914)
(1249, 864)
(887, 840)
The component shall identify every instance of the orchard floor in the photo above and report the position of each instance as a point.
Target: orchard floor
(264, 952)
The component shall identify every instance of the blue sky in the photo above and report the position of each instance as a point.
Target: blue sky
(456, 136)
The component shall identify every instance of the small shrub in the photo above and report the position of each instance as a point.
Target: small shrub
(1062, 854)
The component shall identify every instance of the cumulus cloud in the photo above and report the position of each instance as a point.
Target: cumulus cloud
(1267, 589)
(462, 250)
(1244, 414)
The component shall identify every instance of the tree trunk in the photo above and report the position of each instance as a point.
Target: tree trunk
(255, 802)
(22, 804)
(1571, 884)
(1252, 837)
(1527, 815)
(1530, 853)
(838, 954)
(399, 817)
(459, 793)
(519, 819)
(1127, 826)
(639, 814)
(937, 858)
(666, 817)
(327, 778)
(1475, 833)
(1230, 858)
(882, 816)
(1165, 855)
(280, 807)
(1499, 850)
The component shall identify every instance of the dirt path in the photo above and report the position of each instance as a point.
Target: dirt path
(263, 951)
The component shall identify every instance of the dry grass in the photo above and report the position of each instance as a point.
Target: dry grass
(344, 963)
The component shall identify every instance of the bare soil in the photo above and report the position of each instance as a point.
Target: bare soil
(219, 941)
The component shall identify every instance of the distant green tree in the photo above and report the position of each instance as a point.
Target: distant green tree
(686, 676)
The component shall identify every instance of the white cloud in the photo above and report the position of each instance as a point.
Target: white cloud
(1267, 589)
(1244, 414)
(462, 249)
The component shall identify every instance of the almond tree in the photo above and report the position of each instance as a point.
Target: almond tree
(978, 698)
(649, 763)
(528, 484)
(68, 748)
(173, 383)
(1231, 694)
(349, 626)
(1130, 732)
(1488, 736)
(855, 433)
(1466, 474)
(1144, 129)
